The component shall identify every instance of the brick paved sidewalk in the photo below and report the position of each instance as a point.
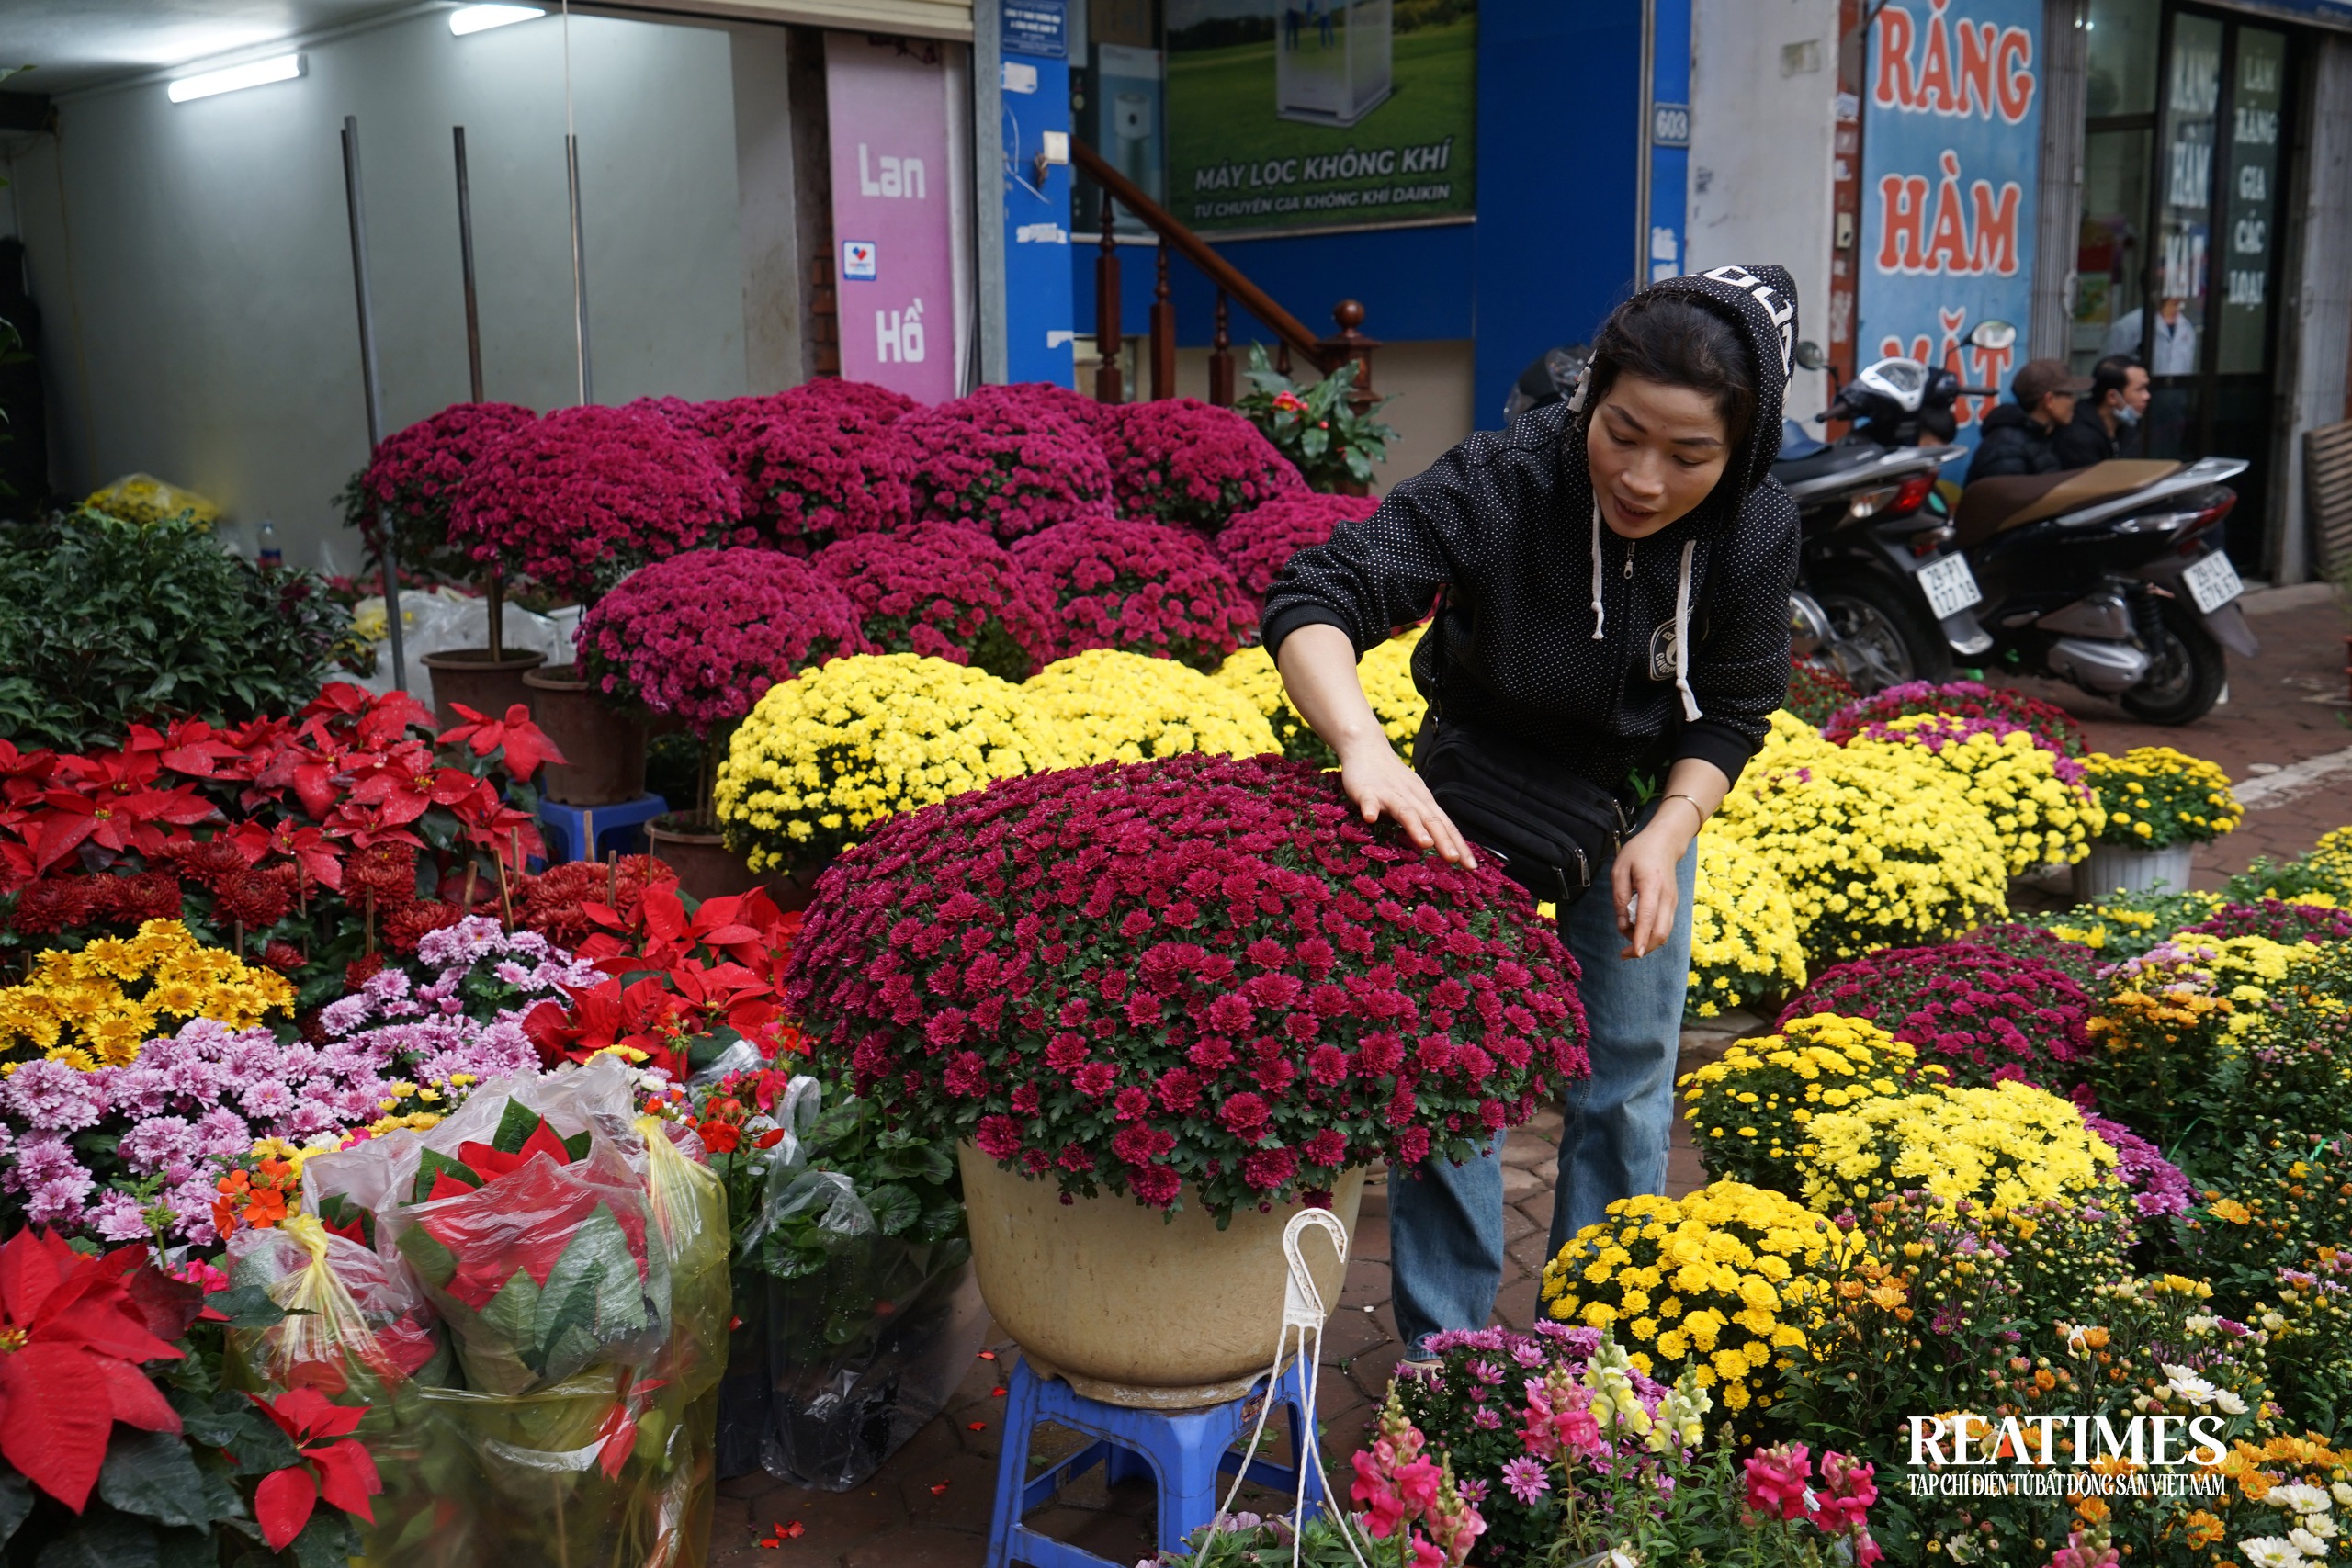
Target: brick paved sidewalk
(2286, 706)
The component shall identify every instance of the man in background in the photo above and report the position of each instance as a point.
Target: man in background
(2106, 421)
(2018, 434)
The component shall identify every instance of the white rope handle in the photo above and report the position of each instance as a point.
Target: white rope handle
(1303, 1309)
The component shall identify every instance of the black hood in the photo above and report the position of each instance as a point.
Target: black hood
(1761, 301)
(2005, 417)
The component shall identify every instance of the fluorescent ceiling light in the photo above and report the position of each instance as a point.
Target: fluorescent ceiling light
(476, 19)
(278, 68)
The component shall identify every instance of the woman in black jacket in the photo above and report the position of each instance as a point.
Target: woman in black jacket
(1612, 577)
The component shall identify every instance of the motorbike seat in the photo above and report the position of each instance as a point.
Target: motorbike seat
(1993, 506)
(1824, 461)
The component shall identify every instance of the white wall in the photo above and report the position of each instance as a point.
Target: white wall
(193, 264)
(1763, 114)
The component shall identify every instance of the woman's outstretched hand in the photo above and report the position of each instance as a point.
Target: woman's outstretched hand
(1380, 785)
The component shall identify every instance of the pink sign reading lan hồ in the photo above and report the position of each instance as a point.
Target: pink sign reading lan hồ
(886, 107)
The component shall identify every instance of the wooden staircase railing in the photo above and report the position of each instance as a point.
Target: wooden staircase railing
(1347, 346)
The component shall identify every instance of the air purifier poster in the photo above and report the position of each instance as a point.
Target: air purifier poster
(1289, 116)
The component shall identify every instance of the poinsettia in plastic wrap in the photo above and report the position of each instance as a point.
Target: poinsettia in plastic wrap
(413, 477)
(1004, 460)
(812, 469)
(576, 499)
(1179, 460)
(1258, 543)
(1140, 588)
(946, 590)
(531, 1246)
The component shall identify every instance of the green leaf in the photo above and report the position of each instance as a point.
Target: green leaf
(432, 1164)
(186, 1548)
(513, 1314)
(104, 1539)
(434, 1263)
(515, 1125)
(327, 1541)
(152, 1474)
(895, 1208)
(246, 1306)
(16, 1503)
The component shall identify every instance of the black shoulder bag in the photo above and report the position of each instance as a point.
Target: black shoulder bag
(1549, 828)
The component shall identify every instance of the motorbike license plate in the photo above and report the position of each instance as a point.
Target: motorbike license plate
(2212, 582)
(1950, 586)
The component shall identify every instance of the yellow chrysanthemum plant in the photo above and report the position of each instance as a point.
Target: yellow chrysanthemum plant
(1108, 707)
(1878, 848)
(2002, 1146)
(96, 1007)
(2173, 1018)
(1385, 673)
(2154, 797)
(2040, 810)
(1743, 944)
(1752, 1109)
(823, 757)
(1722, 1283)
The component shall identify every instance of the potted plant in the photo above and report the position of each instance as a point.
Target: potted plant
(1009, 459)
(1259, 543)
(1179, 460)
(1317, 428)
(409, 484)
(2159, 805)
(821, 760)
(947, 591)
(575, 501)
(700, 637)
(1141, 587)
(1158, 1006)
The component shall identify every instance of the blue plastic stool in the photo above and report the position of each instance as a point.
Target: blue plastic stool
(585, 832)
(1187, 1451)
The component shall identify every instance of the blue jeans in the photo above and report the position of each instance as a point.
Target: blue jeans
(1445, 1221)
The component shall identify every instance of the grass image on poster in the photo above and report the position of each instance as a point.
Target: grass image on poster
(1288, 115)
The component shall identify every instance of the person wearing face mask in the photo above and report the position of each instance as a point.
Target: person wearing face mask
(1611, 579)
(2107, 417)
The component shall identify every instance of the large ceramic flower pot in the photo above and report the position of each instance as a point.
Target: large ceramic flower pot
(2133, 870)
(1127, 1307)
(602, 746)
(487, 685)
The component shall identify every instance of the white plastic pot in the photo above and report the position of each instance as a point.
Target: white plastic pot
(2113, 868)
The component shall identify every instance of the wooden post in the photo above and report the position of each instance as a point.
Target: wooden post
(1106, 309)
(1348, 345)
(1163, 333)
(1282, 356)
(1221, 355)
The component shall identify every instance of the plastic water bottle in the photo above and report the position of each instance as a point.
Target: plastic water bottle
(266, 550)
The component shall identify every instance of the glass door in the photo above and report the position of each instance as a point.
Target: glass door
(2205, 325)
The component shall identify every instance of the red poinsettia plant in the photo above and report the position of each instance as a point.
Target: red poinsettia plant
(683, 986)
(1194, 977)
(117, 1443)
(311, 839)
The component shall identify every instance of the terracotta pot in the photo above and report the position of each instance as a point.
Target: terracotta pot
(706, 868)
(1127, 1307)
(471, 676)
(604, 746)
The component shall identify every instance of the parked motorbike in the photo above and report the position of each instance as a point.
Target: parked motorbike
(2112, 577)
(1881, 596)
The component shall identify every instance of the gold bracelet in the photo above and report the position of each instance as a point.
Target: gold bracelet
(1692, 803)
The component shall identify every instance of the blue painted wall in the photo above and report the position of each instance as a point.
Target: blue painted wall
(1559, 111)
(1554, 248)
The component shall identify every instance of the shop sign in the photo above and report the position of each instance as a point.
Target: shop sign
(1950, 145)
(1298, 115)
(887, 105)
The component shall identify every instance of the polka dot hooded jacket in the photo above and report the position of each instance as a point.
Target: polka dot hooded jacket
(1603, 654)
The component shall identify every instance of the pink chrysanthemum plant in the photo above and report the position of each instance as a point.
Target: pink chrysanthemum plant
(701, 637)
